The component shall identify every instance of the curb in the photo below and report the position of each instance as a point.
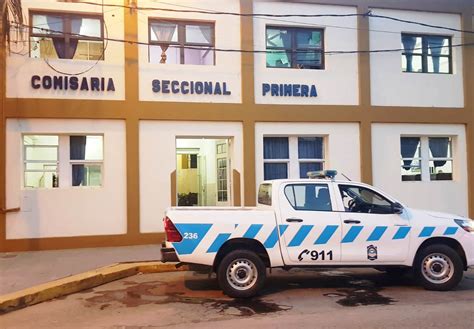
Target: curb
(74, 283)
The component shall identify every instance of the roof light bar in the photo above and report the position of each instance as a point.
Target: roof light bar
(331, 174)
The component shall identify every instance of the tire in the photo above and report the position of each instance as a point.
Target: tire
(438, 267)
(241, 274)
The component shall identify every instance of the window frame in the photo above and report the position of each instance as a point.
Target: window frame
(294, 48)
(181, 43)
(425, 158)
(99, 163)
(425, 53)
(25, 161)
(66, 17)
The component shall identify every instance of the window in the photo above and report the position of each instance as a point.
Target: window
(265, 194)
(41, 158)
(173, 42)
(45, 156)
(292, 156)
(294, 47)
(426, 53)
(222, 179)
(426, 158)
(52, 35)
(86, 156)
(363, 200)
(309, 197)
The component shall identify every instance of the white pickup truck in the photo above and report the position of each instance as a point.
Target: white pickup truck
(318, 223)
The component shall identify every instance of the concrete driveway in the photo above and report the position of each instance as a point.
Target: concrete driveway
(343, 298)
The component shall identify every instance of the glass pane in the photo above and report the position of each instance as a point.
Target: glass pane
(43, 48)
(278, 58)
(86, 148)
(438, 64)
(410, 147)
(47, 24)
(265, 194)
(48, 140)
(440, 147)
(275, 170)
(441, 170)
(203, 56)
(306, 59)
(199, 34)
(411, 171)
(41, 179)
(412, 63)
(412, 44)
(86, 175)
(437, 45)
(172, 55)
(363, 200)
(89, 50)
(42, 166)
(278, 38)
(41, 153)
(90, 27)
(275, 148)
(310, 197)
(310, 147)
(306, 167)
(308, 39)
(164, 32)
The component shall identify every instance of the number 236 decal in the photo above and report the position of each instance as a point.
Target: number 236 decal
(315, 255)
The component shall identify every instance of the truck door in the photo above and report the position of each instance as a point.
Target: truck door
(371, 231)
(312, 235)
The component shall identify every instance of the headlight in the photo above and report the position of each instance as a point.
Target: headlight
(466, 224)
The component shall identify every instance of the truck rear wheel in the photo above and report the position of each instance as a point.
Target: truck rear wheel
(439, 267)
(241, 274)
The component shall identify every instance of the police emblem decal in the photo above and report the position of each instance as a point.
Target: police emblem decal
(371, 252)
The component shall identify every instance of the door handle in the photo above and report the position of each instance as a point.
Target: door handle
(352, 221)
(294, 220)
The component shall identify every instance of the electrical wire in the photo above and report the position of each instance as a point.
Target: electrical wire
(230, 50)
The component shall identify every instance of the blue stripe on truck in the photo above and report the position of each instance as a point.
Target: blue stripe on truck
(218, 242)
(192, 235)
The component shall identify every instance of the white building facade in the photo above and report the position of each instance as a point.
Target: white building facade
(114, 112)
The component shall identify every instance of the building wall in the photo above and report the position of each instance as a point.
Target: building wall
(361, 92)
(227, 64)
(392, 87)
(21, 68)
(338, 82)
(341, 145)
(158, 162)
(445, 196)
(66, 210)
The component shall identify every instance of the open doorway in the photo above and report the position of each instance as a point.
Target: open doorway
(203, 167)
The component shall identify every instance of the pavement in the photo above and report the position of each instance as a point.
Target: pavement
(27, 269)
(342, 298)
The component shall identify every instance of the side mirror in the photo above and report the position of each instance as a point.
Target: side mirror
(397, 208)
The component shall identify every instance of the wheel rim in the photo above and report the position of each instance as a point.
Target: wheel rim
(437, 268)
(242, 274)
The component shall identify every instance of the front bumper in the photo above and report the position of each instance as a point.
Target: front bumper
(168, 254)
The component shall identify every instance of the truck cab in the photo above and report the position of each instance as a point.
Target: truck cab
(320, 222)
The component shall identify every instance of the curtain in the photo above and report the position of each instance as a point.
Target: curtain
(275, 171)
(163, 33)
(63, 51)
(77, 151)
(275, 148)
(439, 149)
(409, 44)
(409, 146)
(310, 147)
(305, 167)
(76, 25)
(435, 44)
(206, 32)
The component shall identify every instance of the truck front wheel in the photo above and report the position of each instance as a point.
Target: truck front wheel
(241, 274)
(439, 267)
